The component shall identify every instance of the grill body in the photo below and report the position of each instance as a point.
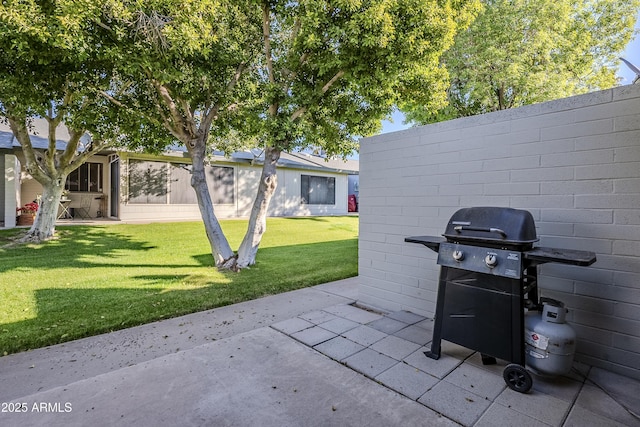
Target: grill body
(479, 307)
(488, 277)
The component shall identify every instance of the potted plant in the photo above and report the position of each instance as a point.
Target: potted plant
(27, 213)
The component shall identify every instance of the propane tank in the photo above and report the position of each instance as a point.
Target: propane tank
(550, 342)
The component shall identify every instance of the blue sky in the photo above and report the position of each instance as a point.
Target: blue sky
(631, 54)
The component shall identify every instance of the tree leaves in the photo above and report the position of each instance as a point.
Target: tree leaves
(340, 67)
(520, 52)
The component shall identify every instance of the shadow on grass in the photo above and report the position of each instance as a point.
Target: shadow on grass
(71, 313)
(69, 249)
(205, 260)
(310, 218)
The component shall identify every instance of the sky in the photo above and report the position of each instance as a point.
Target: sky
(631, 54)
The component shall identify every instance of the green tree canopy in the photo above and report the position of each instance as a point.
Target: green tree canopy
(50, 68)
(520, 52)
(333, 69)
(283, 74)
(185, 68)
(330, 71)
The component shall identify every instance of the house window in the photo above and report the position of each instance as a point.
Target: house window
(147, 182)
(318, 190)
(180, 190)
(87, 178)
(162, 183)
(220, 180)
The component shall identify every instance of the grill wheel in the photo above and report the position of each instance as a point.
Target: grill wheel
(517, 378)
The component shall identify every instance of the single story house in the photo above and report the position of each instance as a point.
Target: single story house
(132, 186)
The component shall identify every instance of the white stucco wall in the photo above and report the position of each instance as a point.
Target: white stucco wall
(9, 189)
(573, 163)
(285, 202)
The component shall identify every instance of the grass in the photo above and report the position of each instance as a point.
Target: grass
(96, 279)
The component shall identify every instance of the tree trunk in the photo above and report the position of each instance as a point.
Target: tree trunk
(258, 219)
(501, 100)
(220, 249)
(44, 226)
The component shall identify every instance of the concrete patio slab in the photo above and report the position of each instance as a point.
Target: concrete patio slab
(291, 326)
(415, 334)
(317, 317)
(395, 347)
(597, 401)
(226, 367)
(456, 403)
(407, 380)
(438, 368)
(339, 348)
(476, 380)
(355, 314)
(25, 373)
(369, 362)
(313, 336)
(581, 417)
(624, 390)
(542, 407)
(339, 325)
(259, 378)
(387, 325)
(364, 335)
(406, 317)
(498, 415)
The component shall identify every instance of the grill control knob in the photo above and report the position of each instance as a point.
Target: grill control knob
(458, 255)
(491, 260)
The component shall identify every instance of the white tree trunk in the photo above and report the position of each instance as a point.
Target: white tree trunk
(44, 226)
(258, 219)
(220, 249)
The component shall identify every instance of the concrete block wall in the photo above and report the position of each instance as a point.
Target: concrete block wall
(573, 163)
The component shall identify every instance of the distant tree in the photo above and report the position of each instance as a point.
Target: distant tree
(520, 52)
(48, 69)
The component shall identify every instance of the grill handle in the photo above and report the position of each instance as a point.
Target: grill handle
(460, 228)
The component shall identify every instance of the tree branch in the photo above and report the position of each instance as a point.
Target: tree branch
(72, 145)
(300, 111)
(83, 156)
(111, 99)
(18, 126)
(296, 29)
(266, 32)
(164, 122)
(330, 83)
(53, 122)
(175, 123)
(213, 111)
(189, 121)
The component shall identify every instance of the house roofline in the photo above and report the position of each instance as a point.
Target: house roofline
(300, 161)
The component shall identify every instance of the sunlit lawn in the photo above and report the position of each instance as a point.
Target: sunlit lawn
(95, 279)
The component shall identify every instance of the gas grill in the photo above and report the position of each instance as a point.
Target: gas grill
(488, 277)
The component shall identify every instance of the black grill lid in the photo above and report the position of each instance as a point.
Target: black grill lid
(492, 224)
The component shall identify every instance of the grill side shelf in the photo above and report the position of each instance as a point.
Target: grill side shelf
(432, 242)
(543, 255)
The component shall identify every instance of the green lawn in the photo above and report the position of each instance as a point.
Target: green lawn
(95, 279)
